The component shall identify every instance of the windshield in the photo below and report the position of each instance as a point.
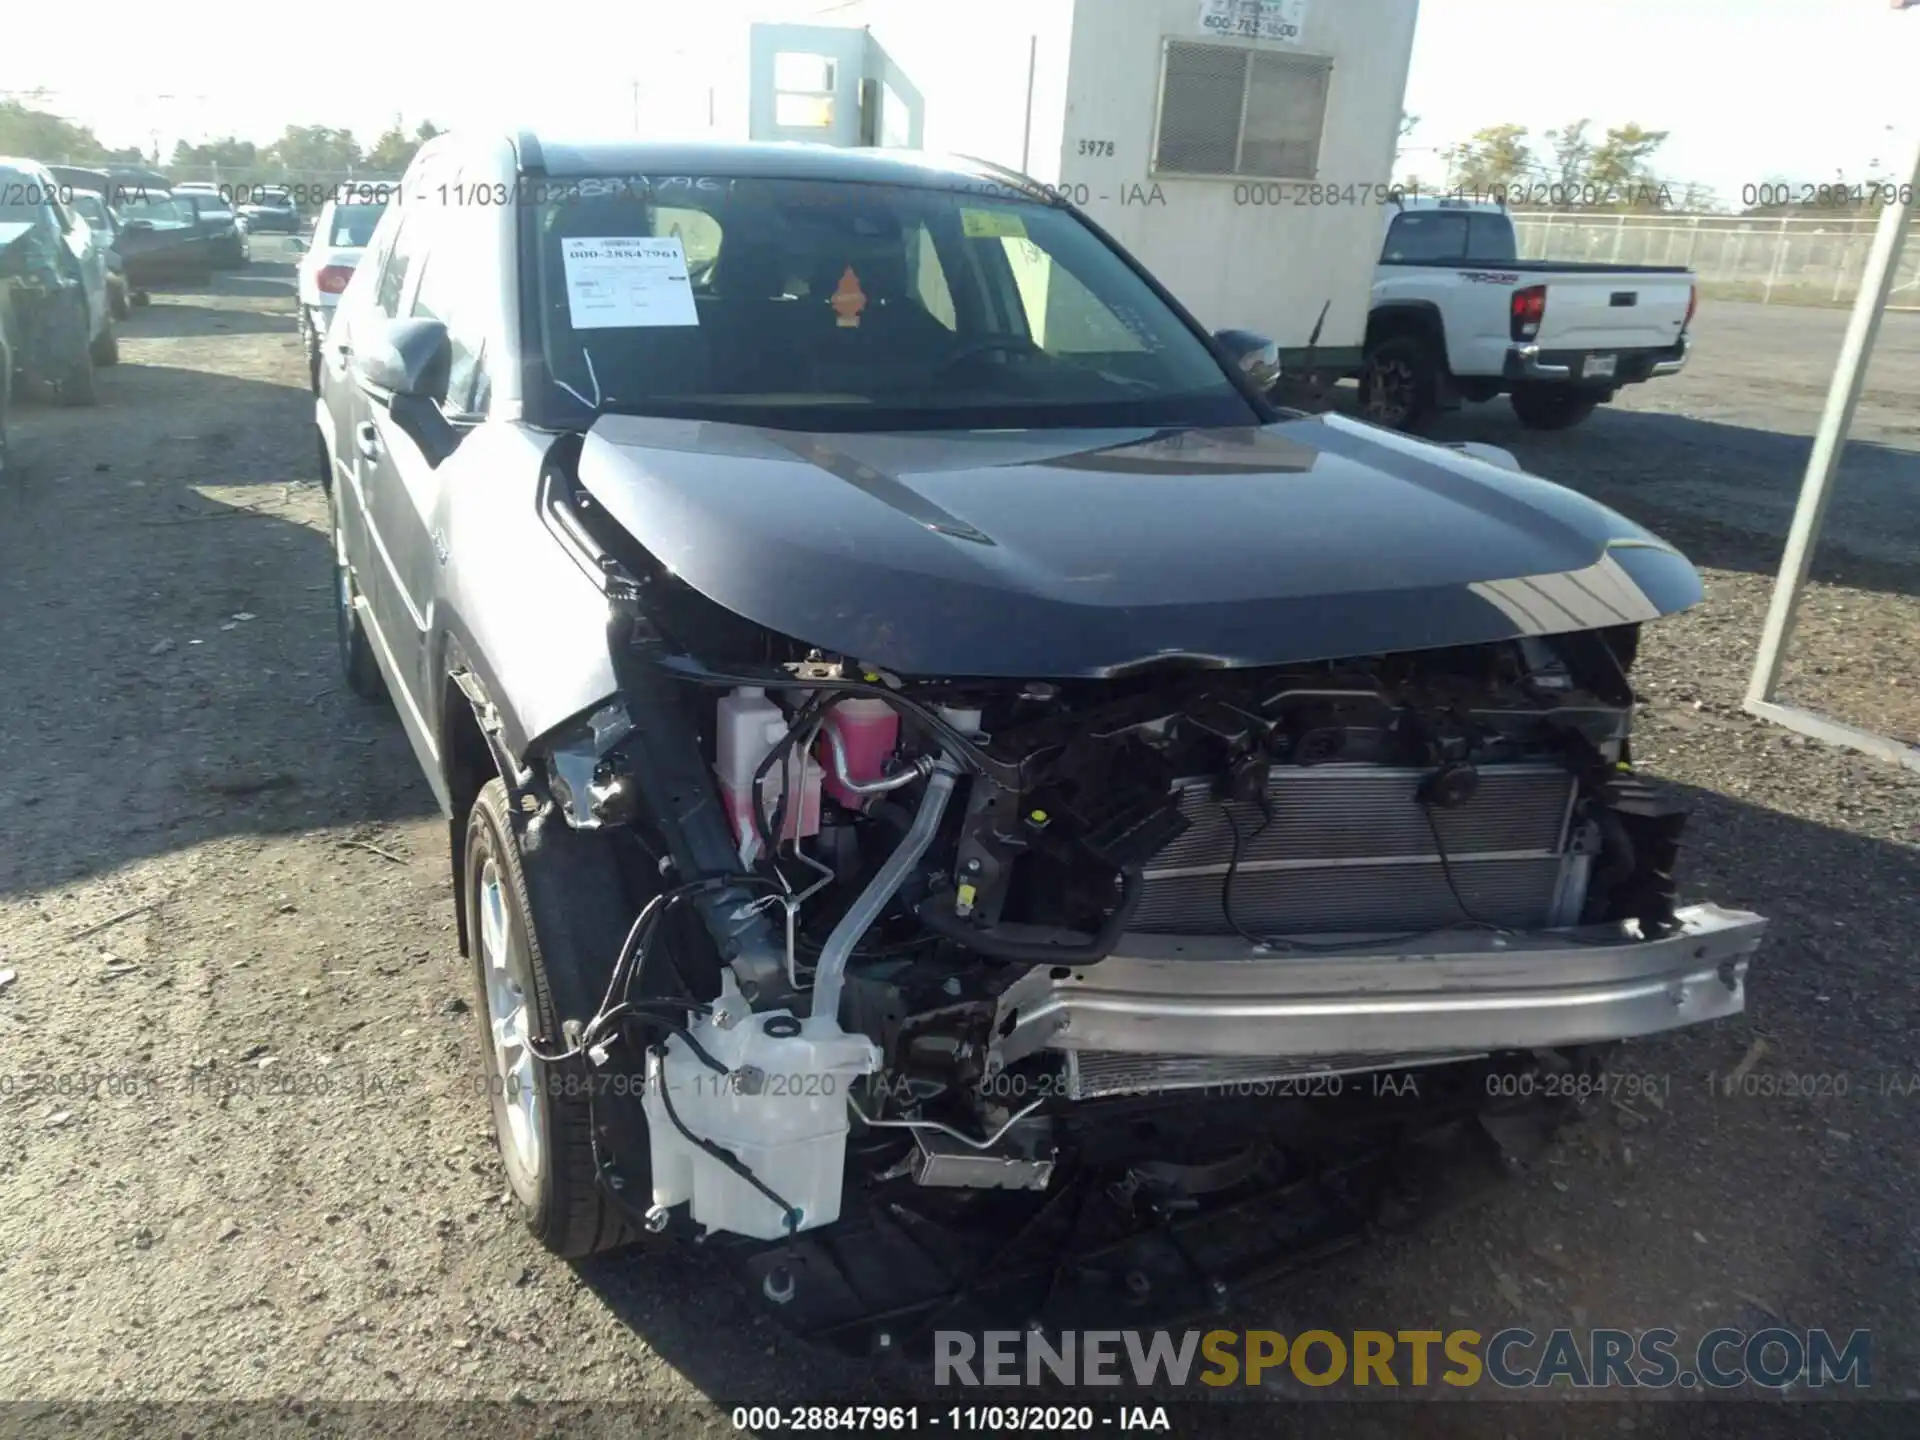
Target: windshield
(828, 305)
(23, 196)
(154, 205)
(352, 226)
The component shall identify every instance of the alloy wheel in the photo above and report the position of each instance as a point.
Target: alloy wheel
(509, 1024)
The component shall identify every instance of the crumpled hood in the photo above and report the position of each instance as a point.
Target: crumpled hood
(1085, 553)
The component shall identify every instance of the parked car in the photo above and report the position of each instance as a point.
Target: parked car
(1458, 316)
(92, 207)
(269, 207)
(227, 242)
(161, 239)
(919, 730)
(54, 304)
(340, 235)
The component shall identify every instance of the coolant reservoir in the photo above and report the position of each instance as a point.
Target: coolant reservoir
(748, 725)
(869, 730)
(781, 1110)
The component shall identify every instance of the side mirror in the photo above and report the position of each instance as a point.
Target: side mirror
(405, 357)
(405, 364)
(1257, 356)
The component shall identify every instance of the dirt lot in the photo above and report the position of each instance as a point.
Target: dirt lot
(243, 1153)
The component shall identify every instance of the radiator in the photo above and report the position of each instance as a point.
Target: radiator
(1349, 849)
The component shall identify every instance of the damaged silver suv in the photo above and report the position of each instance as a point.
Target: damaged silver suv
(952, 796)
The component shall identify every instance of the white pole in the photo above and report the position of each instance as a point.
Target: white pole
(1026, 138)
(1849, 378)
(1779, 254)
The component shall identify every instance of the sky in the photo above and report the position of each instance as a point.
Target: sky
(1750, 90)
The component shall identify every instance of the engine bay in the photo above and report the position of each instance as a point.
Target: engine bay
(939, 857)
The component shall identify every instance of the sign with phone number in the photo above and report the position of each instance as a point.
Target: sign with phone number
(1254, 19)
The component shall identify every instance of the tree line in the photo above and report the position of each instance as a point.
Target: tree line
(301, 149)
(1575, 167)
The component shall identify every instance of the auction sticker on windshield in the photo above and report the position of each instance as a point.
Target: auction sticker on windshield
(618, 283)
(991, 224)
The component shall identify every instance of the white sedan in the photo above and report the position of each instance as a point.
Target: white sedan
(340, 235)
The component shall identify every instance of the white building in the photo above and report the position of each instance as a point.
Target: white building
(1241, 148)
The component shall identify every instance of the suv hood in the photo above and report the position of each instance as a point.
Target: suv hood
(1088, 553)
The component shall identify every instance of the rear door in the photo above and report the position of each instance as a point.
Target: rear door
(1613, 310)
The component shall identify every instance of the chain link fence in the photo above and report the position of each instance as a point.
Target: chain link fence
(1798, 260)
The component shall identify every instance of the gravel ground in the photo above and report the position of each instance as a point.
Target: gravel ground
(244, 1157)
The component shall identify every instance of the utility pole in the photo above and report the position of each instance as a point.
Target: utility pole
(636, 109)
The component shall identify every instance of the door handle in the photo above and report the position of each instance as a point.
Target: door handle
(367, 439)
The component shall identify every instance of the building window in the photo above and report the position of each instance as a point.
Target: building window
(1229, 110)
(803, 87)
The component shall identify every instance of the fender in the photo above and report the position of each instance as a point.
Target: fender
(515, 612)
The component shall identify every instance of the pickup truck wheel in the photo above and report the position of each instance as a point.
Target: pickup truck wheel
(118, 302)
(357, 662)
(543, 1124)
(105, 349)
(1552, 407)
(1400, 384)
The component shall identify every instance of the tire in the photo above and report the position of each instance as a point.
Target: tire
(531, 912)
(105, 349)
(1552, 407)
(1400, 384)
(118, 304)
(77, 387)
(312, 334)
(358, 664)
(142, 298)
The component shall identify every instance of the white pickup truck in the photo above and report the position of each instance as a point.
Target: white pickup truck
(1458, 316)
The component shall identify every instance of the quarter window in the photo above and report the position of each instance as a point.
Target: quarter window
(393, 272)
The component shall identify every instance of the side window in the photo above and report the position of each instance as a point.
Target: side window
(926, 279)
(397, 262)
(448, 276)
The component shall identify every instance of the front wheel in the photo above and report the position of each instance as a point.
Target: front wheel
(530, 913)
(1400, 384)
(1552, 407)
